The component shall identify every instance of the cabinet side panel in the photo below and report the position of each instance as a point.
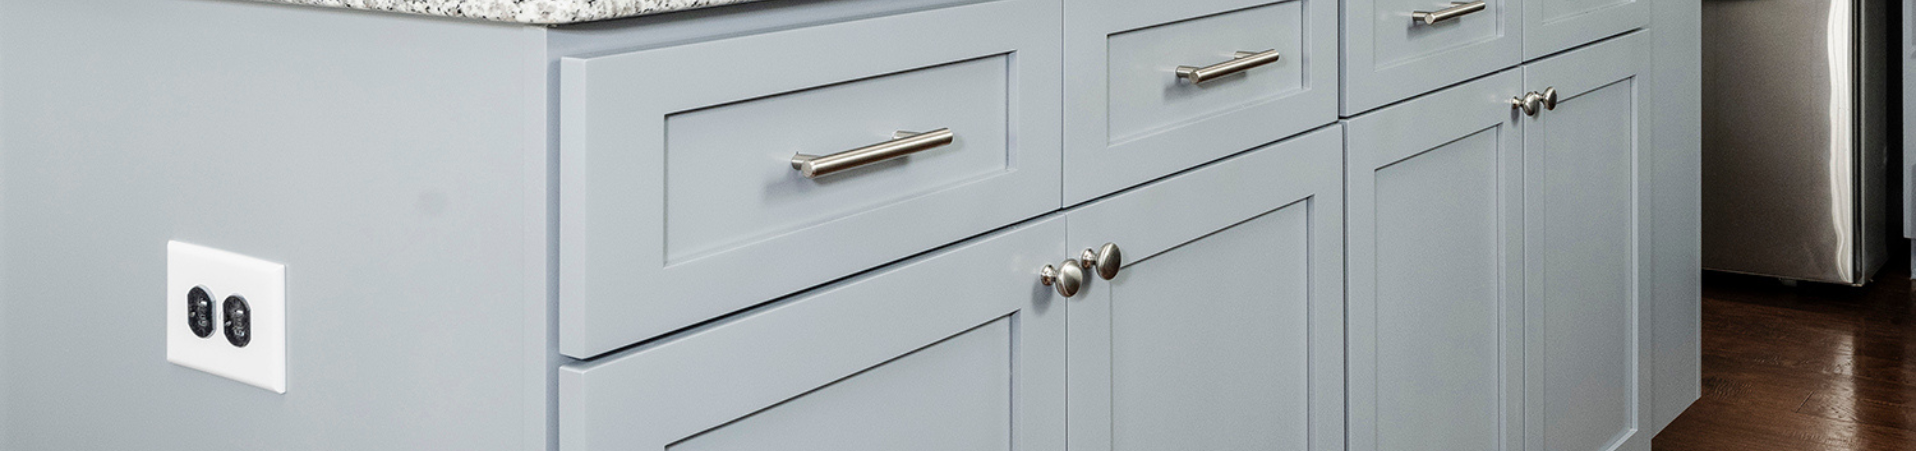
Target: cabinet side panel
(1676, 254)
(381, 158)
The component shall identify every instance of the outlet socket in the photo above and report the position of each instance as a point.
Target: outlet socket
(259, 359)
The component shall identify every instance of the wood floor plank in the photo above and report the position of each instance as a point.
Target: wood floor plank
(1815, 367)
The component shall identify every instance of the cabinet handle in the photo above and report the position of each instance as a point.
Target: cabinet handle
(901, 144)
(1528, 103)
(1531, 102)
(1456, 10)
(1107, 260)
(1067, 277)
(1241, 62)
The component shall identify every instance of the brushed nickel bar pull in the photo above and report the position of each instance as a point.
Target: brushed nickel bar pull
(1456, 10)
(902, 144)
(1242, 62)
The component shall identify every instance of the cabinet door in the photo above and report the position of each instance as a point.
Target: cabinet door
(960, 350)
(1551, 26)
(1585, 221)
(1435, 246)
(1222, 331)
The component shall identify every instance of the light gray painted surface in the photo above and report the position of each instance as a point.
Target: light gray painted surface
(1676, 166)
(1552, 26)
(1132, 120)
(958, 350)
(1586, 251)
(1224, 329)
(1436, 288)
(381, 158)
(1388, 57)
(648, 32)
(710, 140)
(5, 392)
(519, 11)
(420, 243)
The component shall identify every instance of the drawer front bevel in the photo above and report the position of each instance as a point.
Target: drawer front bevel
(679, 199)
(1131, 117)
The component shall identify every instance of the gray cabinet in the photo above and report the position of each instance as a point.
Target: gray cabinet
(1223, 328)
(1436, 293)
(672, 180)
(1396, 49)
(1498, 291)
(1391, 54)
(1676, 313)
(592, 236)
(1586, 248)
(1132, 117)
(960, 350)
(1551, 26)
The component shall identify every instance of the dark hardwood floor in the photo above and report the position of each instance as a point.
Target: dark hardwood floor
(1814, 367)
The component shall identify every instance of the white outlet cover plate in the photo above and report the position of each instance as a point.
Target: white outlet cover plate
(262, 363)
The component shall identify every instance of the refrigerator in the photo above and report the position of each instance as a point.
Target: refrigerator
(1794, 138)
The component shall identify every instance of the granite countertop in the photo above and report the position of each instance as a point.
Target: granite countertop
(543, 12)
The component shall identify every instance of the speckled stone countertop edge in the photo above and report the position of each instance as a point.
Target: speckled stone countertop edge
(531, 12)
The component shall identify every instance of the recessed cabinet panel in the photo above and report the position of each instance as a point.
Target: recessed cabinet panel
(1145, 99)
(950, 396)
(1222, 329)
(1199, 362)
(1390, 53)
(720, 193)
(1258, 71)
(1435, 293)
(1552, 26)
(677, 164)
(1586, 244)
(960, 350)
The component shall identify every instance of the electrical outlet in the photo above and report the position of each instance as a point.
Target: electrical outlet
(243, 303)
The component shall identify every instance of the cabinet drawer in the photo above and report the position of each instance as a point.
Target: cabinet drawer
(961, 351)
(1552, 26)
(677, 175)
(1133, 117)
(1392, 52)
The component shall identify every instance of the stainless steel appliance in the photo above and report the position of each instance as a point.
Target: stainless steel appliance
(1794, 144)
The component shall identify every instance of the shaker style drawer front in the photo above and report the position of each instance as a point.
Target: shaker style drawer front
(1396, 49)
(962, 350)
(1157, 87)
(794, 158)
(1552, 26)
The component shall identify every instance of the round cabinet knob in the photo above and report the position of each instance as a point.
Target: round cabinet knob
(1067, 277)
(1529, 103)
(1106, 260)
(1550, 98)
